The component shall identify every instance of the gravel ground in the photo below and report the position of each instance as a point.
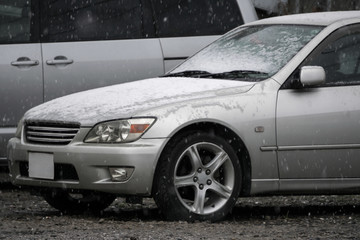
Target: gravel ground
(24, 216)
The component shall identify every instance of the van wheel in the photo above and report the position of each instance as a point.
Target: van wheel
(198, 178)
(76, 203)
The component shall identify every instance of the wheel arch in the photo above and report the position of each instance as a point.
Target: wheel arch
(226, 133)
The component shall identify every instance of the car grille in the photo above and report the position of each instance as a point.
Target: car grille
(51, 133)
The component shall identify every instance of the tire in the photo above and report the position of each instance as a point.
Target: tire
(198, 178)
(70, 203)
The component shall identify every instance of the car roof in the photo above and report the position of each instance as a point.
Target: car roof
(319, 18)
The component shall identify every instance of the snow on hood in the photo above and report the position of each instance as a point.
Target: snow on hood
(128, 99)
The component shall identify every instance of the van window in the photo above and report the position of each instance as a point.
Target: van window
(87, 20)
(176, 18)
(15, 21)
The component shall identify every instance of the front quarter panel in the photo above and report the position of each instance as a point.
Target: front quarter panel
(241, 112)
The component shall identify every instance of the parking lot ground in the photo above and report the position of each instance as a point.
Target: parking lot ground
(24, 216)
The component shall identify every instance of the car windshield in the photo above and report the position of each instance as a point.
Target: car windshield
(251, 54)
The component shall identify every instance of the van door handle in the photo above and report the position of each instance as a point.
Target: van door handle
(24, 62)
(59, 60)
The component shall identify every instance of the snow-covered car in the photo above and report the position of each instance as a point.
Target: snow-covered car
(272, 107)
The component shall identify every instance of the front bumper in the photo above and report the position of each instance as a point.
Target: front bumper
(89, 164)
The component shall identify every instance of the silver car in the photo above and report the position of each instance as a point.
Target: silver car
(272, 107)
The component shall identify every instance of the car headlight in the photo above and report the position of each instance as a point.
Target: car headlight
(119, 131)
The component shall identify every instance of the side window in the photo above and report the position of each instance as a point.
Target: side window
(16, 22)
(340, 59)
(177, 18)
(87, 20)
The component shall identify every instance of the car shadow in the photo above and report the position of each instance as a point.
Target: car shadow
(248, 212)
(273, 212)
(238, 214)
(245, 209)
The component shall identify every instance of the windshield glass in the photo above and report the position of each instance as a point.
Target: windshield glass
(256, 52)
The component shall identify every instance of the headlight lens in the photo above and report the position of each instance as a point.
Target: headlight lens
(119, 131)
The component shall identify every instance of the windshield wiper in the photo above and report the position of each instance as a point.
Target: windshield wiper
(243, 75)
(191, 73)
(239, 74)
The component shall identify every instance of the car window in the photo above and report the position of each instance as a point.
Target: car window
(86, 20)
(263, 49)
(15, 21)
(176, 18)
(340, 59)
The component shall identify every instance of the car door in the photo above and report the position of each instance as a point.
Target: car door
(90, 44)
(185, 27)
(318, 128)
(20, 66)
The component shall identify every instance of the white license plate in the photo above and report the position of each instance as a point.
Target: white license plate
(41, 165)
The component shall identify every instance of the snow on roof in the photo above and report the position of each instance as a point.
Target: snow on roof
(319, 18)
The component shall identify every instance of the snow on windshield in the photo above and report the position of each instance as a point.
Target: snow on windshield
(260, 48)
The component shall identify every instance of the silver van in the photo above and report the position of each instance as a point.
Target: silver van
(51, 48)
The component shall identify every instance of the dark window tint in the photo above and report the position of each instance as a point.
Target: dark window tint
(15, 21)
(176, 18)
(86, 20)
(341, 60)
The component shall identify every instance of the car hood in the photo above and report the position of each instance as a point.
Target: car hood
(130, 99)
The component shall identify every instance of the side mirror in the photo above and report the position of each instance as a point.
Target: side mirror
(312, 75)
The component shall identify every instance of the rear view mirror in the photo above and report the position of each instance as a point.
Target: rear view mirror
(312, 75)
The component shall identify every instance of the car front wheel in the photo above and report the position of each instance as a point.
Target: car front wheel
(198, 178)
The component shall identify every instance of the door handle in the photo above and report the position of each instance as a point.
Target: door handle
(24, 62)
(59, 60)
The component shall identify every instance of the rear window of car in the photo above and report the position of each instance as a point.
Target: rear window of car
(88, 20)
(176, 18)
(91, 20)
(16, 22)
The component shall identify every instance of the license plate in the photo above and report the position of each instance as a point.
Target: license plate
(41, 165)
